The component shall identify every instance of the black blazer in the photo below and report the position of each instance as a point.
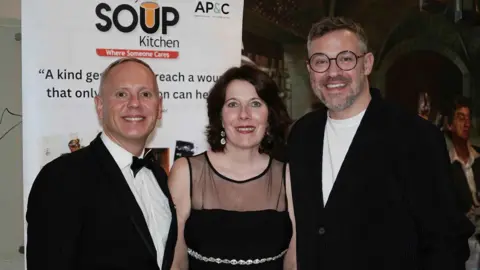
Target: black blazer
(82, 215)
(392, 205)
(464, 195)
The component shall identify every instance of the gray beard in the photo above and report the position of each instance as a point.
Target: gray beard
(340, 107)
(351, 98)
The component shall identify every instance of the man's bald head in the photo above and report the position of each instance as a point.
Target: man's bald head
(107, 71)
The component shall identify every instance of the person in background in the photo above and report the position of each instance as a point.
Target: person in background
(371, 184)
(115, 212)
(463, 156)
(233, 201)
(424, 105)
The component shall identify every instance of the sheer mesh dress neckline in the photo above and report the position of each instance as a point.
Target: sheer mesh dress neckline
(236, 180)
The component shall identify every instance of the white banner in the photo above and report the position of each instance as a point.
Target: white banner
(67, 44)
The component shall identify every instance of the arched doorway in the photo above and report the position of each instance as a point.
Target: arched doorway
(423, 71)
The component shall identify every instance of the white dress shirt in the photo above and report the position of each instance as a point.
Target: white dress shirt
(467, 169)
(148, 194)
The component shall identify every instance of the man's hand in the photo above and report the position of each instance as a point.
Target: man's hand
(472, 213)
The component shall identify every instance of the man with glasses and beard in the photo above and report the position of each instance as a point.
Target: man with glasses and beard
(371, 183)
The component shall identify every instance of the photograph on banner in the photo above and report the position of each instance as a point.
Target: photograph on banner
(66, 49)
(59, 145)
(160, 156)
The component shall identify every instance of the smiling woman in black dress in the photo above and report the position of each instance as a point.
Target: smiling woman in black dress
(234, 202)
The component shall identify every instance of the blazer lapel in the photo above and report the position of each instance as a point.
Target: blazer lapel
(315, 150)
(120, 187)
(354, 164)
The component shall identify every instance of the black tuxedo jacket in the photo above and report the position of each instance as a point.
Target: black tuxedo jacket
(82, 215)
(392, 205)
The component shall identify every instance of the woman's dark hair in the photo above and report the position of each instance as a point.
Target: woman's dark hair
(267, 90)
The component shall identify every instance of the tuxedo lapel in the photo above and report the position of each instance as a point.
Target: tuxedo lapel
(126, 198)
(360, 154)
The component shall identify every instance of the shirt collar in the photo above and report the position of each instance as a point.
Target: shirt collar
(473, 154)
(122, 157)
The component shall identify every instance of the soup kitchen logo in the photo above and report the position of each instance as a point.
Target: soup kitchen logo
(153, 20)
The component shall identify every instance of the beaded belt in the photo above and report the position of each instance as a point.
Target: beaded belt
(198, 256)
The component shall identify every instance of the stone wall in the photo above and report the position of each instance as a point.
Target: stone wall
(421, 31)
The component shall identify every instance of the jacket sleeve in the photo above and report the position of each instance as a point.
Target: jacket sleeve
(54, 220)
(442, 230)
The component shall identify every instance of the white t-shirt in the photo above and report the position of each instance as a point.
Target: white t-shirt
(337, 139)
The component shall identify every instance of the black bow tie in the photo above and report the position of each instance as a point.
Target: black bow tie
(138, 164)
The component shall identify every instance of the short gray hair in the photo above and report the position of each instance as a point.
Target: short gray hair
(330, 24)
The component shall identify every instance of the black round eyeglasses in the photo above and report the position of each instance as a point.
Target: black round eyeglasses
(346, 60)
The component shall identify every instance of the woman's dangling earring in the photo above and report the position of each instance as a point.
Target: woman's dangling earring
(222, 141)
